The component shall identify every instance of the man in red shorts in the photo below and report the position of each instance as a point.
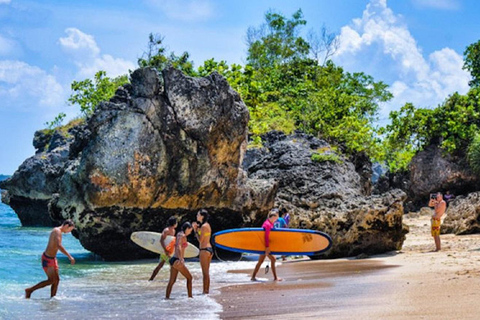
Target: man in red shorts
(49, 259)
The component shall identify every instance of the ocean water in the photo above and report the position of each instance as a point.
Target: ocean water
(95, 289)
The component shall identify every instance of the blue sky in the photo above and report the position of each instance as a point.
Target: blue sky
(415, 46)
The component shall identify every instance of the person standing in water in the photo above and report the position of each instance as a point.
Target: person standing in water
(203, 232)
(168, 250)
(177, 262)
(267, 226)
(439, 209)
(49, 259)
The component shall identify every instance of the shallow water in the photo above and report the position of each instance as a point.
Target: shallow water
(96, 289)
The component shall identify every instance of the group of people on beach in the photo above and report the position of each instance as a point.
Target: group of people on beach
(174, 251)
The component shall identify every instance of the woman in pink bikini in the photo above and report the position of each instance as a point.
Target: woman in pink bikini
(177, 262)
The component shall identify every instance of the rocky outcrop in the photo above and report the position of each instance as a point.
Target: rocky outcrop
(32, 185)
(432, 170)
(463, 215)
(328, 194)
(170, 145)
(160, 147)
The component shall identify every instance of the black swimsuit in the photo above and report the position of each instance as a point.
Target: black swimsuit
(209, 249)
(172, 260)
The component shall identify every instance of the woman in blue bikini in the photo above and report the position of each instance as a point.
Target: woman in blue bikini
(177, 262)
(203, 232)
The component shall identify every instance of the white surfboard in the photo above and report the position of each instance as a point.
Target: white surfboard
(151, 241)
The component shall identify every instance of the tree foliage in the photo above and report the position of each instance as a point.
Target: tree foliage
(88, 94)
(452, 125)
(472, 63)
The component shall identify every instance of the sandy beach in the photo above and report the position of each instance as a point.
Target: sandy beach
(413, 283)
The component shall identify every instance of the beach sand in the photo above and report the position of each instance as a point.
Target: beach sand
(414, 283)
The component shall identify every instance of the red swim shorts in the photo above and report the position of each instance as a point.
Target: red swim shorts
(48, 262)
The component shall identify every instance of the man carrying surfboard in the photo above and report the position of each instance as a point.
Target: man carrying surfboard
(267, 226)
(167, 249)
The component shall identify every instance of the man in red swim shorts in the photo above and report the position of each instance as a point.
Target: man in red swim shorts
(48, 262)
(49, 259)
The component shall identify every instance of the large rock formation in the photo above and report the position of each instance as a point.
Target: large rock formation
(463, 215)
(160, 147)
(329, 195)
(432, 170)
(170, 145)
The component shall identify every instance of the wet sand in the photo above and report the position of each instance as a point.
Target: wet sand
(414, 283)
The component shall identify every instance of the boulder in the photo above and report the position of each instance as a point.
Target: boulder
(463, 215)
(328, 194)
(432, 170)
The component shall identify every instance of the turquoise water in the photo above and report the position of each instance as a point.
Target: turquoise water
(94, 289)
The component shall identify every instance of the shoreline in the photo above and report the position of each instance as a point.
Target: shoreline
(412, 283)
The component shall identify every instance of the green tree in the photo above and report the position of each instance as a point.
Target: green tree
(284, 80)
(156, 56)
(472, 63)
(88, 94)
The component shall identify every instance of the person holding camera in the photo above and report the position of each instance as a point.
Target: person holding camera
(439, 205)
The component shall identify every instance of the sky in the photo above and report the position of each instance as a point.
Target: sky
(414, 46)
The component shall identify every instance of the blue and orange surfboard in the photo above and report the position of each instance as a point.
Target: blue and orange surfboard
(283, 241)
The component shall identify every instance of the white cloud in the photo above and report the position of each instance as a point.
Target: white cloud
(25, 87)
(4, 1)
(185, 10)
(86, 55)
(438, 4)
(7, 46)
(382, 40)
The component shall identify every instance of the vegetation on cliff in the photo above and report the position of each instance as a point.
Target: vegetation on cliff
(288, 83)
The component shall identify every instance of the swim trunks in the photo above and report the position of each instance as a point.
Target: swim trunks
(435, 227)
(164, 257)
(48, 262)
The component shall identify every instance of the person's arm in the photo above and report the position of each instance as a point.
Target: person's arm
(432, 202)
(182, 248)
(162, 241)
(58, 235)
(195, 230)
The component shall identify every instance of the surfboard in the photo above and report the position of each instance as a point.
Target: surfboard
(283, 241)
(151, 241)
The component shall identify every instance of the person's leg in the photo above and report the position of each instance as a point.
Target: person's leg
(205, 259)
(257, 267)
(437, 243)
(56, 281)
(184, 271)
(274, 269)
(50, 272)
(157, 269)
(173, 278)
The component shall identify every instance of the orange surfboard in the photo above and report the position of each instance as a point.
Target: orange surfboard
(283, 241)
